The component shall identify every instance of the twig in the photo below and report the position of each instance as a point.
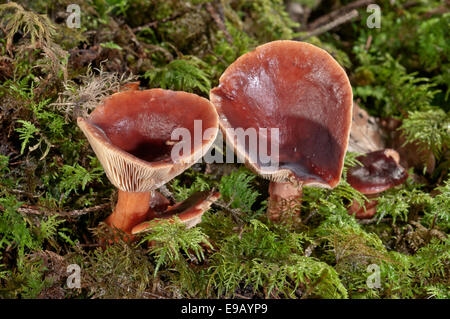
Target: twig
(341, 20)
(156, 22)
(25, 209)
(19, 191)
(155, 48)
(410, 4)
(226, 207)
(312, 214)
(80, 212)
(372, 220)
(337, 13)
(166, 192)
(225, 63)
(368, 221)
(368, 42)
(154, 295)
(171, 18)
(235, 213)
(91, 245)
(141, 52)
(16, 163)
(439, 10)
(219, 21)
(314, 285)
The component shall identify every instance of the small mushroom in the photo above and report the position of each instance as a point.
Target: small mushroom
(131, 134)
(189, 211)
(380, 171)
(301, 90)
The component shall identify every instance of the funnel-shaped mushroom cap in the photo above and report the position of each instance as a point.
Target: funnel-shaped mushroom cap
(131, 135)
(380, 171)
(299, 89)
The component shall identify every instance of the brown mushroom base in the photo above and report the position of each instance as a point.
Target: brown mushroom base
(131, 209)
(369, 211)
(137, 212)
(284, 201)
(189, 211)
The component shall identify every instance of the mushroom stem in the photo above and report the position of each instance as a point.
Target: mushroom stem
(131, 209)
(284, 201)
(189, 211)
(380, 171)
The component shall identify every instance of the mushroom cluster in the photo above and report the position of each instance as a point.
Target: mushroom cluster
(131, 134)
(292, 87)
(302, 91)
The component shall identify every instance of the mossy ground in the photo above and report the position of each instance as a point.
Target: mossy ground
(54, 194)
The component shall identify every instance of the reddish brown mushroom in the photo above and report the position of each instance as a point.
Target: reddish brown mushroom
(380, 171)
(131, 134)
(189, 211)
(301, 90)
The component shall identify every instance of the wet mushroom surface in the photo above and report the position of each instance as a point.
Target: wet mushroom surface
(380, 171)
(189, 211)
(131, 134)
(301, 90)
(141, 122)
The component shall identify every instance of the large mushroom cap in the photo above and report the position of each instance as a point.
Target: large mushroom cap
(300, 89)
(380, 171)
(131, 135)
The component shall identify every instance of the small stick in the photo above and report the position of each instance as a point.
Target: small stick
(80, 212)
(218, 20)
(337, 13)
(372, 220)
(154, 295)
(25, 209)
(226, 207)
(341, 20)
(171, 18)
(313, 285)
(368, 42)
(156, 22)
(439, 10)
(307, 218)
